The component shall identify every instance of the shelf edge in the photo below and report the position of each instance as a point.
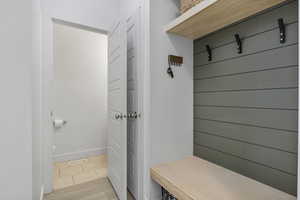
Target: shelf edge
(190, 13)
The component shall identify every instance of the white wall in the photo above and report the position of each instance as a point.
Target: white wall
(93, 13)
(37, 137)
(80, 92)
(171, 99)
(129, 7)
(15, 121)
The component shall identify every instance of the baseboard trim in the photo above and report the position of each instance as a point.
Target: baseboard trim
(42, 193)
(79, 154)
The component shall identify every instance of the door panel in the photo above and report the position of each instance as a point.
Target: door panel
(132, 103)
(117, 108)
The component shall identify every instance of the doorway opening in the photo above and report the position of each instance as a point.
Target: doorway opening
(79, 105)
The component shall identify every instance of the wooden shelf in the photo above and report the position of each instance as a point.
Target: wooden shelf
(212, 15)
(196, 179)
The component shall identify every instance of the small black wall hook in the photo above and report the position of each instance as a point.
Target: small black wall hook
(174, 61)
(170, 72)
(239, 43)
(282, 30)
(208, 49)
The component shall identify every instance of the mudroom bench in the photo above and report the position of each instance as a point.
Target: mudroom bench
(196, 179)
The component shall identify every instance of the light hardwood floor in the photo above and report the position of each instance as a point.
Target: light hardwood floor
(100, 189)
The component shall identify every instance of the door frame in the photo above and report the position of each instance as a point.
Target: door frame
(47, 77)
(141, 104)
(137, 14)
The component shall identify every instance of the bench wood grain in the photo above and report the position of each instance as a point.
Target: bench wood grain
(197, 179)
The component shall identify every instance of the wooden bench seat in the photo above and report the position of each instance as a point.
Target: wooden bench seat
(197, 179)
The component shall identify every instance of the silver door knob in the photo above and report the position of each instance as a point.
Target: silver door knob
(118, 116)
(133, 115)
(129, 116)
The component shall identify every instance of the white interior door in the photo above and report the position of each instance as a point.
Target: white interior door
(133, 135)
(117, 109)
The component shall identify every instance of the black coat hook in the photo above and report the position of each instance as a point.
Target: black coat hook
(282, 30)
(239, 43)
(170, 72)
(208, 49)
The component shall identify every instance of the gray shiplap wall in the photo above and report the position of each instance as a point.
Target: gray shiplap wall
(246, 105)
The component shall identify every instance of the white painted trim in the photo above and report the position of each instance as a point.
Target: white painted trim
(42, 193)
(140, 15)
(145, 27)
(79, 155)
(140, 83)
(79, 26)
(47, 71)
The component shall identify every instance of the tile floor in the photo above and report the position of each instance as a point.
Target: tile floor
(74, 177)
(76, 172)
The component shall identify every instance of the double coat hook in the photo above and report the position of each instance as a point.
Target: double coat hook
(282, 30)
